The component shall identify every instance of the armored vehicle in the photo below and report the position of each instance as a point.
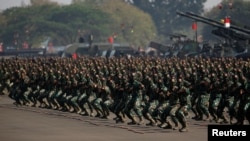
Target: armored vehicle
(99, 49)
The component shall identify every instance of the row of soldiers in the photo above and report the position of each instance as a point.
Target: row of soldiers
(161, 90)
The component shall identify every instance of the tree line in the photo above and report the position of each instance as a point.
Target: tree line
(132, 21)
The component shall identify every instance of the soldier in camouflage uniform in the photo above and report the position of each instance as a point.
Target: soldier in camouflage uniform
(244, 102)
(153, 91)
(97, 91)
(75, 93)
(106, 97)
(59, 96)
(203, 98)
(23, 87)
(226, 99)
(84, 104)
(122, 96)
(15, 79)
(215, 96)
(82, 85)
(43, 91)
(185, 103)
(56, 90)
(171, 110)
(135, 104)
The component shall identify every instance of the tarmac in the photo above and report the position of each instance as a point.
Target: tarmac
(24, 123)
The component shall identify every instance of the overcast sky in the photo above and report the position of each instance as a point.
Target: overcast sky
(10, 3)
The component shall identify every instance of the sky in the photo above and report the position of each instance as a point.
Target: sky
(10, 3)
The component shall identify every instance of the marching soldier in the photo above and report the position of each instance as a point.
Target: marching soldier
(203, 98)
(135, 104)
(185, 103)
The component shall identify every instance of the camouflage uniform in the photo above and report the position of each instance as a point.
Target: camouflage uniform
(185, 103)
(98, 94)
(227, 99)
(152, 102)
(244, 102)
(194, 96)
(203, 98)
(173, 106)
(43, 93)
(107, 100)
(135, 104)
(215, 96)
(84, 95)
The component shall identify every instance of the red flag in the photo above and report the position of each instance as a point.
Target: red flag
(194, 26)
(74, 56)
(111, 40)
(227, 22)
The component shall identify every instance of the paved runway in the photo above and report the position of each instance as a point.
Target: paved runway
(37, 124)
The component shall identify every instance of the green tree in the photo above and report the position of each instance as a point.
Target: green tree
(164, 14)
(63, 24)
(34, 23)
(41, 2)
(130, 23)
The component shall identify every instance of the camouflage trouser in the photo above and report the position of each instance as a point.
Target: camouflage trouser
(53, 98)
(27, 95)
(214, 103)
(247, 111)
(160, 112)
(42, 97)
(97, 105)
(134, 108)
(138, 107)
(68, 98)
(58, 98)
(203, 104)
(150, 108)
(1, 89)
(181, 114)
(118, 106)
(243, 111)
(73, 102)
(106, 106)
(33, 95)
(171, 112)
(5, 85)
(91, 97)
(82, 99)
(226, 103)
(127, 106)
(194, 99)
(18, 96)
(51, 95)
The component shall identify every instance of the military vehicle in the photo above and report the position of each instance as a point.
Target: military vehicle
(40, 50)
(235, 39)
(23, 52)
(99, 49)
(181, 46)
